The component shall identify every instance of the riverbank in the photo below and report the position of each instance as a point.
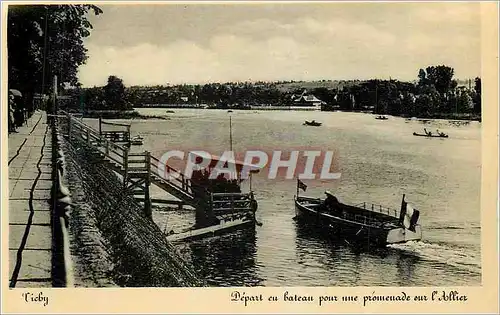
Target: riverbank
(112, 242)
(118, 114)
(444, 116)
(453, 116)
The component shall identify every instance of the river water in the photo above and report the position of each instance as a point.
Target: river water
(379, 161)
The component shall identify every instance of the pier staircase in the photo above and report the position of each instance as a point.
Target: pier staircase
(140, 170)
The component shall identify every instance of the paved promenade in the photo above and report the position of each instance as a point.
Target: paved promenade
(30, 232)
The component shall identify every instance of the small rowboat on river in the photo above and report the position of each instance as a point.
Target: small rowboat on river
(312, 123)
(442, 135)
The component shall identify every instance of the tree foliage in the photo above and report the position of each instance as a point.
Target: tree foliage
(432, 96)
(43, 41)
(439, 77)
(114, 93)
(477, 96)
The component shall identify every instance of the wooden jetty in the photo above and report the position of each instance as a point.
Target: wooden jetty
(116, 136)
(210, 230)
(214, 211)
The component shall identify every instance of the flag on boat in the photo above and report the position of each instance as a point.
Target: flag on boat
(301, 185)
(408, 216)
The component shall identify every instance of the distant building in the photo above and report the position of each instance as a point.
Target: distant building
(307, 100)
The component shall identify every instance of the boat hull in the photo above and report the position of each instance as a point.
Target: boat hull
(310, 123)
(355, 231)
(432, 136)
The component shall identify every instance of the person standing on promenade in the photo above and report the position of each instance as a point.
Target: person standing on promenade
(18, 110)
(12, 125)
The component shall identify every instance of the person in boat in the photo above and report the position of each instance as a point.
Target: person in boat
(440, 133)
(427, 132)
(331, 203)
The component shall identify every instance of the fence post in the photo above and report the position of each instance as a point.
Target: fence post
(69, 127)
(212, 202)
(88, 136)
(147, 199)
(125, 166)
(232, 207)
(107, 147)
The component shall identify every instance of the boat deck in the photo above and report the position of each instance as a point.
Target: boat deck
(363, 213)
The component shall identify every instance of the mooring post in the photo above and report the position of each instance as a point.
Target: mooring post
(100, 128)
(147, 182)
(88, 136)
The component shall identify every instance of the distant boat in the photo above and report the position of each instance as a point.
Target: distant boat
(381, 117)
(312, 123)
(230, 111)
(369, 223)
(170, 112)
(430, 136)
(137, 140)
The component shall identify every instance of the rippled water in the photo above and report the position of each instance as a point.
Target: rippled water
(379, 161)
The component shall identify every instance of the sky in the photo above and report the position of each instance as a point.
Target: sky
(158, 44)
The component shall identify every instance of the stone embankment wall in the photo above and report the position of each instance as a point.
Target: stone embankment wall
(112, 242)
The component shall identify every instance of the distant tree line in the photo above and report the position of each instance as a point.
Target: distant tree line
(435, 93)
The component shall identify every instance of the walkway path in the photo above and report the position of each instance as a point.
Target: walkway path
(30, 232)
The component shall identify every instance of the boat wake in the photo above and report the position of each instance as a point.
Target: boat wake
(455, 257)
(453, 227)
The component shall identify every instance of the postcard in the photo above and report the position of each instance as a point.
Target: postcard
(249, 157)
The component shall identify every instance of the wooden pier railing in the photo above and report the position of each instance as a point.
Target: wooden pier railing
(139, 170)
(231, 206)
(122, 136)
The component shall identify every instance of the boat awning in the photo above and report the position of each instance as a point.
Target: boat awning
(214, 160)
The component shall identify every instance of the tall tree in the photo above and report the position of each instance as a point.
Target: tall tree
(43, 41)
(441, 77)
(114, 93)
(422, 77)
